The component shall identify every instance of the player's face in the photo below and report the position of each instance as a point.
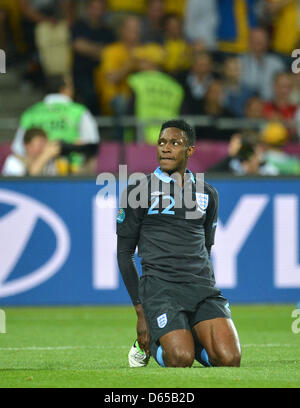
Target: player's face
(173, 150)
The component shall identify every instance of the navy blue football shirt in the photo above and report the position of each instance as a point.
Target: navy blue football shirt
(174, 226)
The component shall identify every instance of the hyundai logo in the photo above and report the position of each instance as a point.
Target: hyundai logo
(16, 229)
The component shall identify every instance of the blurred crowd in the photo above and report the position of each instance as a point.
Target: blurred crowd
(216, 59)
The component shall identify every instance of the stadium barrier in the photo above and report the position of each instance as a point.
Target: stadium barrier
(142, 157)
(129, 121)
(110, 123)
(58, 245)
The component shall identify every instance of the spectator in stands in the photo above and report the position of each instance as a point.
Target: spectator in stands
(236, 94)
(152, 25)
(38, 157)
(295, 93)
(198, 47)
(201, 20)
(177, 7)
(224, 165)
(212, 103)
(63, 120)
(156, 95)
(258, 66)
(245, 156)
(140, 6)
(36, 11)
(178, 51)
(212, 107)
(118, 61)
(10, 13)
(254, 108)
(280, 107)
(248, 161)
(39, 17)
(196, 82)
(126, 6)
(279, 15)
(2, 29)
(274, 136)
(297, 120)
(89, 36)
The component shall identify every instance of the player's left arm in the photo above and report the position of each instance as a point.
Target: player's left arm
(211, 220)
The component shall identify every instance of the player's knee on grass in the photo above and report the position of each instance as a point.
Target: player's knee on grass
(178, 357)
(226, 358)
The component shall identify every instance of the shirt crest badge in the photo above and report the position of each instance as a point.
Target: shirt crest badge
(162, 320)
(202, 201)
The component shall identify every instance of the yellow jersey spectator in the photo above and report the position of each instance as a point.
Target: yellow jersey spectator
(129, 6)
(177, 50)
(285, 24)
(175, 6)
(118, 62)
(139, 6)
(10, 12)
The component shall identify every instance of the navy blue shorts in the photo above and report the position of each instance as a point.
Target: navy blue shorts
(172, 306)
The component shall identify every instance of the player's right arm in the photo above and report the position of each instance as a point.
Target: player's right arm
(128, 229)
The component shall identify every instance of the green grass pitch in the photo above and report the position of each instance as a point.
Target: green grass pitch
(88, 346)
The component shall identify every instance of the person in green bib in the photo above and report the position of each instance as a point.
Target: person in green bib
(156, 95)
(63, 120)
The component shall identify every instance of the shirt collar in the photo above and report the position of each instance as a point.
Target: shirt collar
(57, 98)
(167, 179)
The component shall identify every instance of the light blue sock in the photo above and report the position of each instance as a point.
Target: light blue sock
(159, 357)
(204, 359)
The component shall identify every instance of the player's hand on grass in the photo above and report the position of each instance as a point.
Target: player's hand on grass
(143, 334)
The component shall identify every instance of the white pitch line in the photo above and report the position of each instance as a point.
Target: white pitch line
(33, 348)
(268, 345)
(58, 348)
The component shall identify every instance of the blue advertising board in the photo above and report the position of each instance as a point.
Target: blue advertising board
(58, 246)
